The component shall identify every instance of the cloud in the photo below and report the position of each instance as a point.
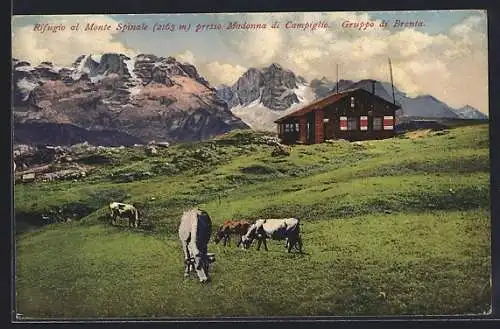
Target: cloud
(63, 47)
(262, 47)
(452, 66)
(409, 42)
(222, 73)
(469, 25)
(214, 71)
(187, 56)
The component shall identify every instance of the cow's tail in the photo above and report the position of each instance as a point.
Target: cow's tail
(299, 238)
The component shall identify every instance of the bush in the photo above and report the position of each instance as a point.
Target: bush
(258, 170)
(96, 159)
(101, 198)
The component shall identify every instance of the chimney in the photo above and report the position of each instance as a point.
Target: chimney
(373, 87)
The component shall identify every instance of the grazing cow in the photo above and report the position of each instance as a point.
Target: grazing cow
(229, 227)
(194, 232)
(124, 210)
(276, 229)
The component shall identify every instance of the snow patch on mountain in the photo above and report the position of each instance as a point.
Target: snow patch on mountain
(80, 69)
(305, 94)
(469, 112)
(130, 67)
(26, 87)
(134, 89)
(27, 68)
(260, 117)
(96, 57)
(257, 116)
(96, 78)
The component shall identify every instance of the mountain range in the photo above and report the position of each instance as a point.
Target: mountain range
(112, 99)
(249, 100)
(116, 100)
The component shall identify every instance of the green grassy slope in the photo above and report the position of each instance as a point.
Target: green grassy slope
(398, 226)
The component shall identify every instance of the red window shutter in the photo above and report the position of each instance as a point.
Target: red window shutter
(343, 123)
(363, 123)
(388, 122)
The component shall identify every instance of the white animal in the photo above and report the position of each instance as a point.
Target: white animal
(125, 211)
(276, 229)
(195, 230)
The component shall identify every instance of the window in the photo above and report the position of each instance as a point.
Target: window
(352, 102)
(297, 127)
(352, 123)
(377, 123)
(287, 127)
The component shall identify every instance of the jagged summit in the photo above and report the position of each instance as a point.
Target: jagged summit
(273, 86)
(146, 96)
(470, 112)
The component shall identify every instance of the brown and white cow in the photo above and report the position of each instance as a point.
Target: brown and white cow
(276, 229)
(232, 227)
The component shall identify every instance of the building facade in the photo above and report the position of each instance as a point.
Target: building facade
(355, 114)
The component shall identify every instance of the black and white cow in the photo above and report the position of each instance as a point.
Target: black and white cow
(125, 211)
(194, 232)
(276, 229)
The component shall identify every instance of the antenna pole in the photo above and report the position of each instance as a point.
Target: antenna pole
(337, 78)
(392, 82)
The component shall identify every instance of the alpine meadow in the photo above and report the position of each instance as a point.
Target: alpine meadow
(408, 234)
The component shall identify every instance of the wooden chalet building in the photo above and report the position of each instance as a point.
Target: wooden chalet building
(355, 114)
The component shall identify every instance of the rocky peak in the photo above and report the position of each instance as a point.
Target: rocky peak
(78, 60)
(224, 93)
(470, 112)
(276, 76)
(47, 70)
(248, 88)
(153, 69)
(86, 64)
(427, 98)
(275, 67)
(16, 63)
(112, 98)
(193, 73)
(113, 63)
(273, 86)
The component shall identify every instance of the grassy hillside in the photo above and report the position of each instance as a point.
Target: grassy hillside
(398, 226)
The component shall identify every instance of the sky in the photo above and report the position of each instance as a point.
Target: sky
(444, 55)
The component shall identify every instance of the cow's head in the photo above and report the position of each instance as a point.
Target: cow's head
(246, 242)
(248, 238)
(201, 263)
(219, 234)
